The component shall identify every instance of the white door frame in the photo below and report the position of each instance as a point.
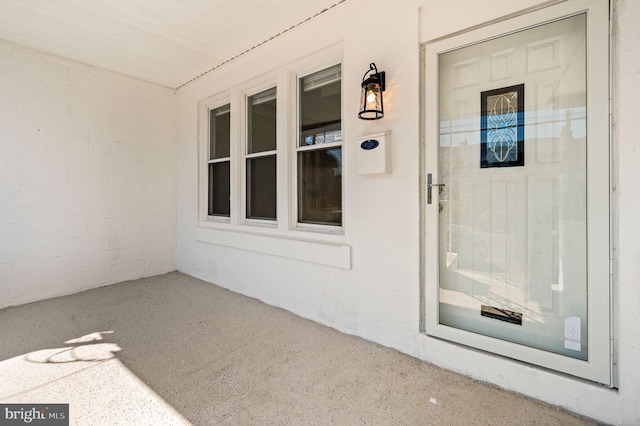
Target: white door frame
(599, 366)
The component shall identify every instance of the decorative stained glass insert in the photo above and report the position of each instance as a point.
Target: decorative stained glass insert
(502, 127)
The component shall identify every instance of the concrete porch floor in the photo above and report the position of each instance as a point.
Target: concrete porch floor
(173, 349)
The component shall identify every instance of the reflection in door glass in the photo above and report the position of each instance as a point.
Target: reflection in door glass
(513, 223)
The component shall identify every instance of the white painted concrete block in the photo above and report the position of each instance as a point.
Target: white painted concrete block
(65, 138)
(126, 271)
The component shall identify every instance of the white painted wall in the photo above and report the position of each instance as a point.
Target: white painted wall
(379, 296)
(87, 177)
(626, 203)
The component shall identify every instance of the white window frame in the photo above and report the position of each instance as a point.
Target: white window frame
(324, 245)
(298, 76)
(246, 155)
(204, 128)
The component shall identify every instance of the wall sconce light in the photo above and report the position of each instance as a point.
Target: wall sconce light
(371, 98)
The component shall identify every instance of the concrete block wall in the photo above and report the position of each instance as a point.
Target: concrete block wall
(87, 177)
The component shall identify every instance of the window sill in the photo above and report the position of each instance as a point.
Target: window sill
(323, 249)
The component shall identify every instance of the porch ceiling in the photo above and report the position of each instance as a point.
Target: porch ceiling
(167, 42)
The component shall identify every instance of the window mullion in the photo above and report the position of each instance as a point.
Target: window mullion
(238, 112)
(261, 154)
(284, 111)
(219, 160)
(319, 146)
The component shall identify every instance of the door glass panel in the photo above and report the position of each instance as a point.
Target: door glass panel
(513, 219)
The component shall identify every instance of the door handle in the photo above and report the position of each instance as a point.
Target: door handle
(430, 186)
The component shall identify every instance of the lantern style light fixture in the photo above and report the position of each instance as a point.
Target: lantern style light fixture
(371, 98)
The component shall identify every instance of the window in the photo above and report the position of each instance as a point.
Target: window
(261, 156)
(278, 171)
(319, 148)
(219, 162)
(270, 163)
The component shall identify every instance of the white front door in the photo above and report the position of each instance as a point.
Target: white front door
(517, 219)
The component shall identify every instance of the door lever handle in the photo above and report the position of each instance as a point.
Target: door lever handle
(430, 186)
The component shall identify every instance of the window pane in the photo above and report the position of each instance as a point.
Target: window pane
(320, 186)
(219, 132)
(320, 107)
(261, 187)
(261, 127)
(219, 192)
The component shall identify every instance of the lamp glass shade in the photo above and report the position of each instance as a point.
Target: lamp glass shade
(371, 99)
